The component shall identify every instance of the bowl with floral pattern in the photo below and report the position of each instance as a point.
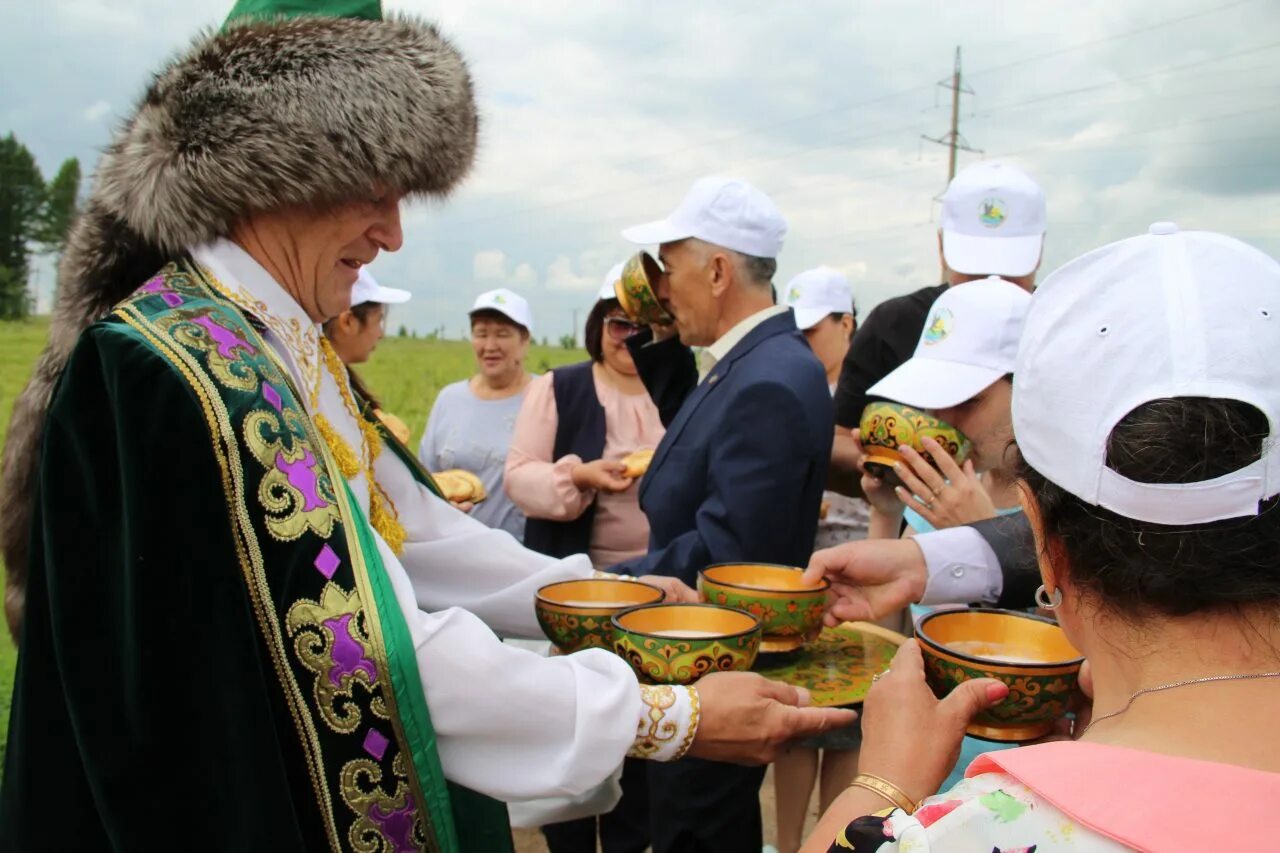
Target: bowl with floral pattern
(637, 290)
(788, 608)
(886, 426)
(1030, 654)
(577, 615)
(680, 643)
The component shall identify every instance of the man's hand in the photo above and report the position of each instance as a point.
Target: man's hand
(676, 590)
(870, 578)
(746, 718)
(603, 475)
(909, 736)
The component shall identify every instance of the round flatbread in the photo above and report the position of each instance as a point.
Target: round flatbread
(459, 486)
(637, 462)
(394, 425)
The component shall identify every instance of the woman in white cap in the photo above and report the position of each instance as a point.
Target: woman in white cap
(471, 421)
(1146, 410)
(566, 472)
(961, 372)
(355, 334)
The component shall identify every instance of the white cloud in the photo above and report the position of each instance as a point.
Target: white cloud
(96, 111)
(560, 276)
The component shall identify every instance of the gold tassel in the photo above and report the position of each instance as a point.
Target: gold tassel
(348, 462)
(387, 524)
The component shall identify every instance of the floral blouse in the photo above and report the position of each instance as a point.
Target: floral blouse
(989, 813)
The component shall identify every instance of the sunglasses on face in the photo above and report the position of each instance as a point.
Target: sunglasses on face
(620, 328)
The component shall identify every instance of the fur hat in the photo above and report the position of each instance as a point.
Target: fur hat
(259, 116)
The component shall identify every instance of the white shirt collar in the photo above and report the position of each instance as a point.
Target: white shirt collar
(730, 339)
(244, 281)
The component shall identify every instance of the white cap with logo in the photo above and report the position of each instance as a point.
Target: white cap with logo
(508, 303)
(607, 290)
(818, 293)
(367, 289)
(1167, 314)
(721, 211)
(970, 340)
(993, 221)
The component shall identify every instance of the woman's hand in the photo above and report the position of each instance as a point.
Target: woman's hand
(877, 492)
(602, 475)
(465, 506)
(946, 496)
(911, 738)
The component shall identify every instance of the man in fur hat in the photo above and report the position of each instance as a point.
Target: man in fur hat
(249, 624)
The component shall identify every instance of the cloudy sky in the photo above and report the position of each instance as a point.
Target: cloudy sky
(598, 115)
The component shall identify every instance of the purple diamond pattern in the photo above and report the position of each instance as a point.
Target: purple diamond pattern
(273, 397)
(327, 562)
(375, 743)
(173, 300)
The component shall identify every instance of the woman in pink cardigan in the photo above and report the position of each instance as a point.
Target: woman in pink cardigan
(594, 413)
(564, 472)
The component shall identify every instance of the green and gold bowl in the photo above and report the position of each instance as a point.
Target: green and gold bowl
(576, 615)
(886, 426)
(680, 643)
(1031, 655)
(787, 607)
(637, 290)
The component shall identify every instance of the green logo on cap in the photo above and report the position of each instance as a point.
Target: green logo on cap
(939, 327)
(793, 295)
(499, 299)
(993, 213)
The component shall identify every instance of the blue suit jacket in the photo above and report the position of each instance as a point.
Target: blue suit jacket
(740, 472)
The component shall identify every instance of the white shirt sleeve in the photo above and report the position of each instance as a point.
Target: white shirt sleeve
(962, 567)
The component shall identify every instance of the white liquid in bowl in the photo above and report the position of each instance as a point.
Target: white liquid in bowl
(993, 652)
(685, 634)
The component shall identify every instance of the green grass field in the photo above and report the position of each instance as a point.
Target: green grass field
(405, 373)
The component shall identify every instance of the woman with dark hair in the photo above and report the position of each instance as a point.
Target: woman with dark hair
(1146, 409)
(565, 472)
(354, 335)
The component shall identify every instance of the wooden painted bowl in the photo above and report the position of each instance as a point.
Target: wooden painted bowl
(886, 426)
(1031, 655)
(680, 643)
(637, 290)
(576, 615)
(787, 607)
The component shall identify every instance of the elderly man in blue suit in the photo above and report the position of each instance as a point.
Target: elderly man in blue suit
(740, 473)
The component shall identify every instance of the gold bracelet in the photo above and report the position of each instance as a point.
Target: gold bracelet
(886, 789)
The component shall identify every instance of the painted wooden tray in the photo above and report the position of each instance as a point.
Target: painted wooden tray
(838, 666)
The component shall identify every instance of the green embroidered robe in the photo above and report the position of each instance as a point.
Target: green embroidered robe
(212, 657)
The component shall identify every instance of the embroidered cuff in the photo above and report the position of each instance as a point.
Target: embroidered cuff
(668, 722)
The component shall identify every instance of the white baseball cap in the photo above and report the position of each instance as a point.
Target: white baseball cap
(367, 289)
(610, 279)
(970, 340)
(818, 293)
(993, 221)
(1166, 314)
(510, 304)
(724, 212)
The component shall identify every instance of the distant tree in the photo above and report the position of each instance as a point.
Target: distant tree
(60, 206)
(21, 207)
(568, 342)
(402, 332)
(544, 340)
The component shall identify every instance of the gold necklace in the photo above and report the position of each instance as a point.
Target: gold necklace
(1161, 687)
(383, 514)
